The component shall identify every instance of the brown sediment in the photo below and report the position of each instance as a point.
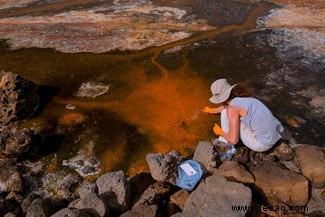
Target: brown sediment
(71, 119)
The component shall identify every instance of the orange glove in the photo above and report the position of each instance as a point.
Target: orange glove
(217, 130)
(209, 110)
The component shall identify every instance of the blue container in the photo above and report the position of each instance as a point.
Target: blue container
(189, 182)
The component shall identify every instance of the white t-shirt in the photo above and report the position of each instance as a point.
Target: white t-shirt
(259, 119)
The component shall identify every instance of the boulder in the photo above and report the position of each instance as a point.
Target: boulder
(68, 185)
(139, 183)
(93, 204)
(10, 179)
(18, 98)
(232, 171)
(206, 155)
(316, 203)
(11, 205)
(10, 214)
(280, 185)
(215, 196)
(163, 167)
(28, 200)
(115, 189)
(13, 196)
(71, 213)
(15, 143)
(40, 207)
(155, 193)
(180, 197)
(312, 163)
(284, 152)
(86, 188)
(142, 211)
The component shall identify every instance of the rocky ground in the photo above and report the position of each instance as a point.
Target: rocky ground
(289, 180)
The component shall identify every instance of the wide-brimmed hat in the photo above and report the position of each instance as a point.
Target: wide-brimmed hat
(221, 90)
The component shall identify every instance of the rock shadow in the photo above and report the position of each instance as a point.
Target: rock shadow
(46, 93)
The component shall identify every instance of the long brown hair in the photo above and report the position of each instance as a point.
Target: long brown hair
(240, 90)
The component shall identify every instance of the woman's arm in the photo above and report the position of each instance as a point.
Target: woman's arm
(217, 110)
(233, 114)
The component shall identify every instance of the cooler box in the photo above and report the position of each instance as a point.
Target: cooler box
(189, 174)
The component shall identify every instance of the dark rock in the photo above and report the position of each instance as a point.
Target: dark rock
(88, 169)
(28, 200)
(10, 179)
(14, 197)
(156, 193)
(79, 163)
(11, 205)
(32, 168)
(18, 98)
(171, 209)
(40, 207)
(86, 188)
(14, 143)
(139, 183)
(68, 185)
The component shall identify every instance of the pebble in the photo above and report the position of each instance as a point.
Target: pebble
(70, 107)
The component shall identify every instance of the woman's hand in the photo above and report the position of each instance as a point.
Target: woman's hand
(217, 130)
(209, 110)
(217, 110)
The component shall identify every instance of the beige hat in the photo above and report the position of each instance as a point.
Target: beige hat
(221, 91)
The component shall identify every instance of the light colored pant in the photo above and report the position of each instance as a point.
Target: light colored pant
(246, 134)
